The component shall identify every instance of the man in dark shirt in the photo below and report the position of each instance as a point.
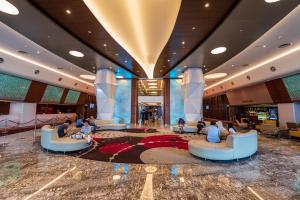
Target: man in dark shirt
(63, 129)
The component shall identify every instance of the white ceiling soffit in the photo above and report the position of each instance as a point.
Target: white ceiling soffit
(254, 63)
(22, 57)
(141, 27)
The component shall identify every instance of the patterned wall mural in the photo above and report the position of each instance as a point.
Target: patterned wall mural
(292, 84)
(72, 97)
(13, 88)
(52, 94)
(122, 109)
(176, 100)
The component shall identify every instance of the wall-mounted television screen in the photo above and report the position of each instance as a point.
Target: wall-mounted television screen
(72, 97)
(52, 94)
(292, 84)
(13, 88)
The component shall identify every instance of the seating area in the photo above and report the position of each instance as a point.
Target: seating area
(235, 147)
(51, 141)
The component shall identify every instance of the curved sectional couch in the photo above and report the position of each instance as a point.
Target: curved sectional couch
(51, 141)
(235, 147)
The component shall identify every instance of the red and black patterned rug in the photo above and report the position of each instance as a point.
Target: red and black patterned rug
(134, 148)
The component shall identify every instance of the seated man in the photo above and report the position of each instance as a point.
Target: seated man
(213, 133)
(200, 126)
(79, 122)
(64, 128)
(92, 123)
(181, 123)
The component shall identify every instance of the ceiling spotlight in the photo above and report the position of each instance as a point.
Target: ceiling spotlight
(174, 53)
(8, 8)
(38, 52)
(152, 83)
(271, 1)
(264, 46)
(193, 28)
(232, 65)
(183, 42)
(119, 76)
(68, 11)
(105, 45)
(206, 5)
(218, 50)
(215, 76)
(89, 32)
(116, 54)
(76, 53)
(125, 61)
(88, 77)
(169, 60)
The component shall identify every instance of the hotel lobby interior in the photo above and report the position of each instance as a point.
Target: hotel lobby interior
(150, 99)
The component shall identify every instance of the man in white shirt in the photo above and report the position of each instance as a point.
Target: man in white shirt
(213, 133)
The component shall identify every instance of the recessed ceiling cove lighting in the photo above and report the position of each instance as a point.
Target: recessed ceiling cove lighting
(180, 76)
(151, 80)
(76, 53)
(8, 8)
(271, 1)
(153, 87)
(88, 77)
(119, 76)
(206, 5)
(218, 50)
(152, 83)
(215, 76)
(68, 11)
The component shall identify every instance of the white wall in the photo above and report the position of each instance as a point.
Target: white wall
(288, 112)
(151, 99)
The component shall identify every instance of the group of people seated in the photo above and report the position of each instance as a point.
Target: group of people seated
(83, 130)
(214, 132)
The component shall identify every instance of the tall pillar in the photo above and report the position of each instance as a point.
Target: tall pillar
(193, 86)
(105, 85)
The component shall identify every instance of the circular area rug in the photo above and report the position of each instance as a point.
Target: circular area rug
(134, 148)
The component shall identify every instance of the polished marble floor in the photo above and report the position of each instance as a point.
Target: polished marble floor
(27, 172)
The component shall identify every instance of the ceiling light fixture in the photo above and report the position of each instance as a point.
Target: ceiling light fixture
(8, 8)
(215, 76)
(206, 5)
(218, 50)
(43, 66)
(152, 83)
(153, 87)
(105, 45)
(180, 76)
(271, 1)
(136, 30)
(76, 53)
(183, 42)
(88, 77)
(68, 11)
(89, 32)
(256, 66)
(193, 28)
(119, 76)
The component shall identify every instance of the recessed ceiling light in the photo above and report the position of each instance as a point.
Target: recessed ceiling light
(88, 77)
(68, 11)
(264, 46)
(89, 32)
(119, 76)
(180, 76)
(206, 5)
(193, 28)
(152, 83)
(169, 60)
(215, 75)
(38, 52)
(116, 54)
(271, 1)
(183, 42)
(232, 65)
(174, 53)
(76, 53)
(105, 45)
(125, 61)
(153, 87)
(218, 50)
(8, 8)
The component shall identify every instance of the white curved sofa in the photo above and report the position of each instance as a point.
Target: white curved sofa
(51, 141)
(104, 124)
(235, 147)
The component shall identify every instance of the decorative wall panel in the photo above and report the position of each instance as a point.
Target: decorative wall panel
(122, 107)
(13, 88)
(292, 84)
(176, 100)
(72, 97)
(52, 94)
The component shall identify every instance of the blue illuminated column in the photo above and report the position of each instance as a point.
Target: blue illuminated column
(193, 86)
(105, 85)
